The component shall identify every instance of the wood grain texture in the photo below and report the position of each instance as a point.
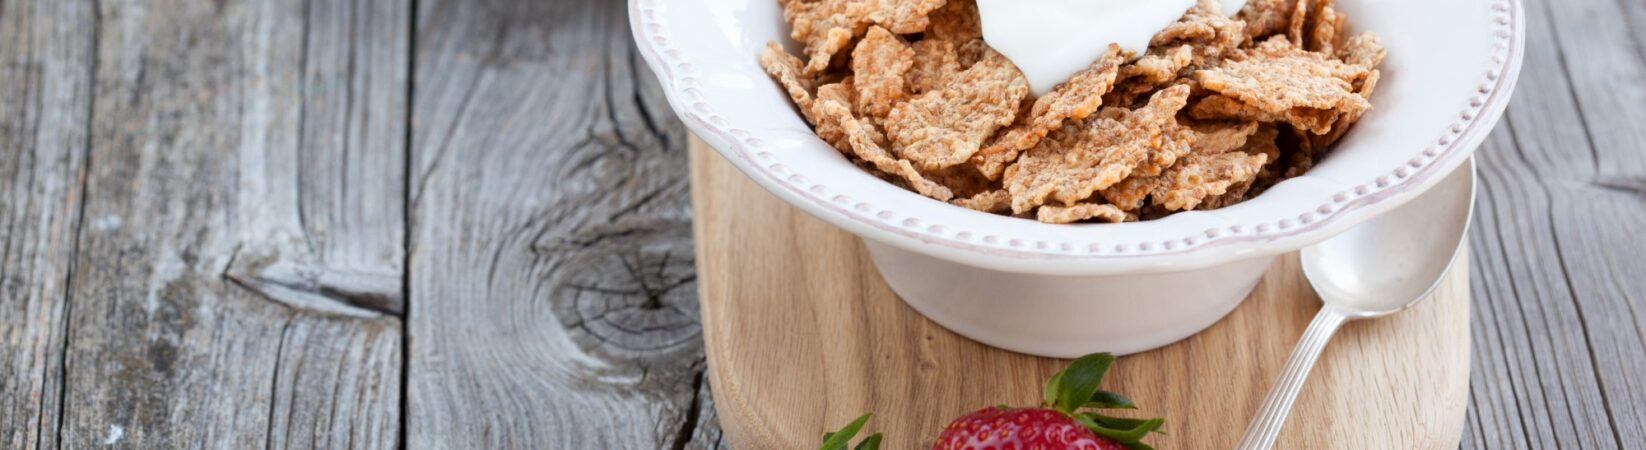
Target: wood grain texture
(228, 138)
(553, 301)
(45, 81)
(238, 276)
(803, 335)
(1559, 283)
(337, 385)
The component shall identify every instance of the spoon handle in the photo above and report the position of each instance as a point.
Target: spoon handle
(1261, 433)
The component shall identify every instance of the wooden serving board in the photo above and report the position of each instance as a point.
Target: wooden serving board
(803, 335)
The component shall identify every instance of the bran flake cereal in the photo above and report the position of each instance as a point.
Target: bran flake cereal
(1216, 111)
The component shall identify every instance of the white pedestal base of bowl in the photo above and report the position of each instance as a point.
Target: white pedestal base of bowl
(1066, 316)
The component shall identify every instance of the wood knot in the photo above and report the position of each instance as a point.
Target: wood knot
(629, 289)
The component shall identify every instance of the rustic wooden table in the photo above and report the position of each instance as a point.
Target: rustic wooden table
(376, 223)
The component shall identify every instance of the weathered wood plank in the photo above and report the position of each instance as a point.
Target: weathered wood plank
(45, 81)
(1604, 196)
(352, 159)
(339, 380)
(553, 301)
(338, 385)
(1557, 234)
(234, 283)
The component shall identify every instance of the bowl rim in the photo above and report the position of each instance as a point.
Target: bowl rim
(1239, 241)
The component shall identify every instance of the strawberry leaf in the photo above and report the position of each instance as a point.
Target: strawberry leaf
(1079, 381)
(1109, 400)
(870, 443)
(840, 439)
(1052, 386)
(1126, 423)
(1126, 431)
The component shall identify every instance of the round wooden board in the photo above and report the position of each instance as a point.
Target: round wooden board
(802, 336)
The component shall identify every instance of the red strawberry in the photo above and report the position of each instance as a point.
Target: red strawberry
(1020, 428)
(1058, 426)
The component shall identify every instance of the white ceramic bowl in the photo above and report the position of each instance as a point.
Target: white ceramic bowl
(1066, 290)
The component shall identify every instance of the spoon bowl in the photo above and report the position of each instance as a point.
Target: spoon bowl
(1390, 263)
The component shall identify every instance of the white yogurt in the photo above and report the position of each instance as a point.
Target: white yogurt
(1051, 40)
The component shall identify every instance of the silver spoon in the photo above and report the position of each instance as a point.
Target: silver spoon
(1375, 269)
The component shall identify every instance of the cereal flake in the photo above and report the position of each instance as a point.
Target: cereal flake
(1075, 99)
(1082, 212)
(1084, 157)
(1280, 80)
(863, 142)
(945, 127)
(996, 201)
(880, 64)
